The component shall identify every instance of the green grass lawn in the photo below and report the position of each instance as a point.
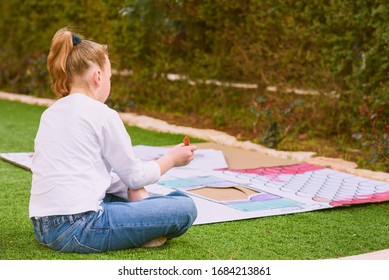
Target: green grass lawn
(314, 235)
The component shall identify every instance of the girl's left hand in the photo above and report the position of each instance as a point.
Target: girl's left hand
(138, 194)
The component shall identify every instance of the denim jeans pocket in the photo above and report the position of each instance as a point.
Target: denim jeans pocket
(52, 231)
(74, 246)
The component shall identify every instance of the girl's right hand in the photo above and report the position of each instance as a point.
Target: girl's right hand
(179, 155)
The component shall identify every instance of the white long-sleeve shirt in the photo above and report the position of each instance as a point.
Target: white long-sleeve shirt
(79, 142)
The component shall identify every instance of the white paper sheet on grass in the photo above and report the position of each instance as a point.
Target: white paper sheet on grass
(20, 159)
(314, 189)
(211, 211)
(292, 193)
(205, 159)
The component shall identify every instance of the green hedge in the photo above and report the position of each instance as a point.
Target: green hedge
(339, 47)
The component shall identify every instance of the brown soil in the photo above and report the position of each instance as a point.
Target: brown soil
(201, 122)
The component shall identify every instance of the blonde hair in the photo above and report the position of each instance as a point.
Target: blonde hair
(68, 59)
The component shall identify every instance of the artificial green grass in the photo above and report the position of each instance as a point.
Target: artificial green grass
(321, 234)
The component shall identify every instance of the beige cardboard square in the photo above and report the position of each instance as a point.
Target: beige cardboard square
(225, 194)
(238, 158)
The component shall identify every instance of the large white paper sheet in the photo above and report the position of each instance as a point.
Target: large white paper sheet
(272, 190)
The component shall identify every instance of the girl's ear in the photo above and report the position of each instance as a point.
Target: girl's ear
(97, 77)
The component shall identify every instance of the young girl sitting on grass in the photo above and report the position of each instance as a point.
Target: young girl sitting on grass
(87, 190)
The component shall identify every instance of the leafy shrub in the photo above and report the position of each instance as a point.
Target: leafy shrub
(339, 48)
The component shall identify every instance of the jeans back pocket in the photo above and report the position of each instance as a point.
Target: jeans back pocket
(74, 246)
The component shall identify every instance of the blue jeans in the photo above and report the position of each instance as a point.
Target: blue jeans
(121, 224)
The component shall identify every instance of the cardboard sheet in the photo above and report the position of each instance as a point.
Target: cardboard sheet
(221, 194)
(244, 159)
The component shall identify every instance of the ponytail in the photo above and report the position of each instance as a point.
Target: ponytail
(69, 56)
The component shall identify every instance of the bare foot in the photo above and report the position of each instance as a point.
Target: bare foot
(155, 242)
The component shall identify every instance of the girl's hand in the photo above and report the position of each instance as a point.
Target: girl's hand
(179, 155)
(138, 194)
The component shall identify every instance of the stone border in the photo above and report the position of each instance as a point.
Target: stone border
(219, 137)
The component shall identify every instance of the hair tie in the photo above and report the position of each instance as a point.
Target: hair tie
(76, 40)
